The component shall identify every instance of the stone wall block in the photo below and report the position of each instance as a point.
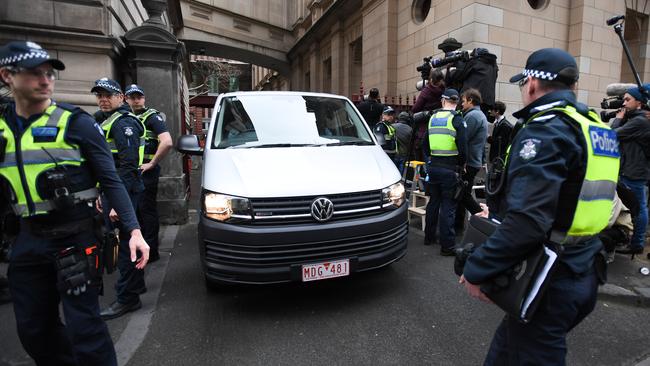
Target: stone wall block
(80, 17)
(37, 12)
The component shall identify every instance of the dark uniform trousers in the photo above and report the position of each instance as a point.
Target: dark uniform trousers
(441, 209)
(130, 283)
(148, 209)
(542, 341)
(84, 340)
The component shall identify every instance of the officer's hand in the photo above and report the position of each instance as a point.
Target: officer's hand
(138, 244)
(474, 290)
(146, 166)
(485, 213)
(98, 204)
(113, 216)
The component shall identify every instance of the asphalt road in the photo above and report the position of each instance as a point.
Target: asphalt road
(411, 313)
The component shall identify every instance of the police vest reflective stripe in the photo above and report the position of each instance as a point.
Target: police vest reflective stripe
(41, 148)
(442, 134)
(596, 197)
(151, 139)
(107, 125)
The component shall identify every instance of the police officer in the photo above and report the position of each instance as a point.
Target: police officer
(561, 177)
(158, 142)
(51, 157)
(386, 133)
(125, 136)
(446, 149)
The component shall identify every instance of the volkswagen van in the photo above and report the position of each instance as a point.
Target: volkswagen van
(294, 188)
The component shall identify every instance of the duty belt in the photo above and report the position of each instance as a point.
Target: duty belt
(78, 197)
(563, 239)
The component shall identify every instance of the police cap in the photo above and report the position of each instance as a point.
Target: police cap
(26, 54)
(108, 85)
(550, 64)
(133, 89)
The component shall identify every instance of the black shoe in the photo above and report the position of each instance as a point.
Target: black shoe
(629, 249)
(118, 309)
(429, 242)
(447, 252)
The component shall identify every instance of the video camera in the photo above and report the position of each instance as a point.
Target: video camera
(430, 63)
(613, 100)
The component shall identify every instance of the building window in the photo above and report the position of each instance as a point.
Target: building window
(420, 10)
(538, 4)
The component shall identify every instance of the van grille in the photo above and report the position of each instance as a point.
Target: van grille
(297, 210)
(295, 253)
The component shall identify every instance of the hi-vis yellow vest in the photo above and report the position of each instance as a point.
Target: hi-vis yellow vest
(40, 148)
(151, 139)
(107, 125)
(596, 197)
(442, 134)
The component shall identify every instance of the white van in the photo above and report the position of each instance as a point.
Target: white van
(295, 188)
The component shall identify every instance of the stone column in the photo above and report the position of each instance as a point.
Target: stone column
(155, 54)
(337, 59)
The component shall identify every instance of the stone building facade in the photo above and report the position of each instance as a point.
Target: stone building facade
(340, 44)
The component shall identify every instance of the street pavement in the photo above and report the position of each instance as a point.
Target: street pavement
(411, 313)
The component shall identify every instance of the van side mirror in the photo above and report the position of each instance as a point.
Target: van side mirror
(189, 144)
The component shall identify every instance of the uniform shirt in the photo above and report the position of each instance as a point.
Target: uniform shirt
(126, 132)
(84, 132)
(381, 128)
(449, 162)
(542, 156)
(155, 124)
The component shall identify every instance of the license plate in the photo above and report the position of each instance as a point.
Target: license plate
(321, 271)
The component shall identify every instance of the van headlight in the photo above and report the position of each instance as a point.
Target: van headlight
(393, 196)
(222, 207)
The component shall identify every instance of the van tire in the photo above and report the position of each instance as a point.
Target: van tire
(217, 287)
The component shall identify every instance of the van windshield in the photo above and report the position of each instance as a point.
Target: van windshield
(283, 120)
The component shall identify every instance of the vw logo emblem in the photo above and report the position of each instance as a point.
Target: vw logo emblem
(322, 209)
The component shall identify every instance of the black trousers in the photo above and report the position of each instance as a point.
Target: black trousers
(83, 340)
(148, 210)
(467, 201)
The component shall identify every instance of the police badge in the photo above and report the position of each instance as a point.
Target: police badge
(529, 150)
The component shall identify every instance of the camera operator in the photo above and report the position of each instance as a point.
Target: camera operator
(479, 72)
(371, 108)
(428, 100)
(633, 129)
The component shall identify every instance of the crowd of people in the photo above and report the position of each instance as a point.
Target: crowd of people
(564, 179)
(69, 180)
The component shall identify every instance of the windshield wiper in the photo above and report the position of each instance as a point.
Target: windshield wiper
(348, 143)
(261, 146)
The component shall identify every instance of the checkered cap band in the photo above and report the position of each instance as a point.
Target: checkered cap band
(133, 89)
(108, 86)
(24, 56)
(540, 74)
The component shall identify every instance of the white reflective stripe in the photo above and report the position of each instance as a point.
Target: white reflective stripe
(40, 157)
(55, 116)
(560, 237)
(81, 196)
(441, 131)
(444, 152)
(547, 106)
(597, 190)
(544, 117)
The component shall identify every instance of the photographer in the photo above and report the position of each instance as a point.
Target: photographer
(633, 129)
(428, 100)
(479, 72)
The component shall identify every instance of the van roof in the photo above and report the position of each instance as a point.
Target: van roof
(232, 94)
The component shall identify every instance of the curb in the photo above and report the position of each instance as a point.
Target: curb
(638, 296)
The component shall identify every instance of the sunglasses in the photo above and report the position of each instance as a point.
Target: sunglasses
(523, 82)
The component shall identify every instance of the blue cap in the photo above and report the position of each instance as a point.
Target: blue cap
(636, 93)
(108, 85)
(451, 93)
(27, 55)
(389, 110)
(550, 64)
(132, 89)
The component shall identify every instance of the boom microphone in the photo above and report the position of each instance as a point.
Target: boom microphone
(618, 89)
(615, 19)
